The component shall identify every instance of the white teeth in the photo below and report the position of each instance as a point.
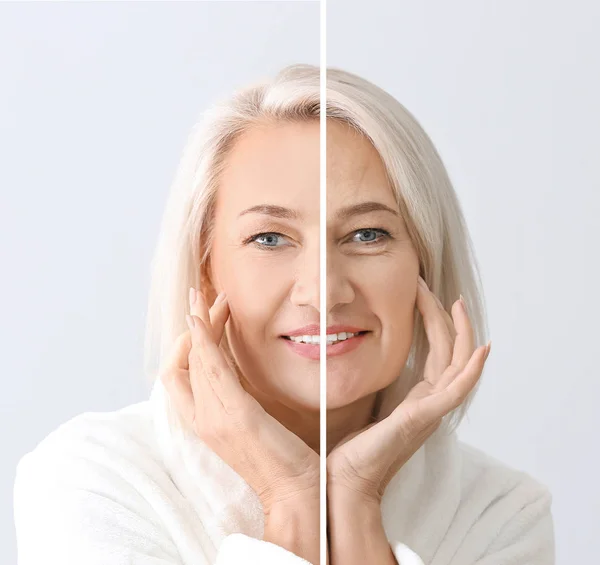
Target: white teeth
(315, 339)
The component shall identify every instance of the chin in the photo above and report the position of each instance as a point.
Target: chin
(340, 398)
(304, 399)
(302, 403)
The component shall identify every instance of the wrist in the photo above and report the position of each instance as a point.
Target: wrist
(344, 495)
(356, 531)
(352, 516)
(294, 525)
(290, 501)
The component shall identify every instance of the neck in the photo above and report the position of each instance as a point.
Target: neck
(350, 419)
(341, 422)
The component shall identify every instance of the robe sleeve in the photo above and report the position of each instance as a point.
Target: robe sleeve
(239, 549)
(92, 516)
(59, 521)
(404, 555)
(516, 528)
(527, 538)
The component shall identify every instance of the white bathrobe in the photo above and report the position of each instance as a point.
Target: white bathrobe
(121, 488)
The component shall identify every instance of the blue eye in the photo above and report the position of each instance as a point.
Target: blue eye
(269, 239)
(373, 232)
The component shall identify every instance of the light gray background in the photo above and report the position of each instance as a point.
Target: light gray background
(96, 102)
(509, 92)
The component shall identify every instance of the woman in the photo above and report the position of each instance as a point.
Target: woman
(221, 464)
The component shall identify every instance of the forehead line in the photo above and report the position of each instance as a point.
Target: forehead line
(272, 210)
(348, 212)
(343, 214)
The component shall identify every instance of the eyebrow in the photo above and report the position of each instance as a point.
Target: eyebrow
(343, 214)
(364, 208)
(272, 210)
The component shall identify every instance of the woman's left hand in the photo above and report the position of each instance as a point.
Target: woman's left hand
(364, 462)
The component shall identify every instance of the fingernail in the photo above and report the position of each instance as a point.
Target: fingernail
(190, 321)
(220, 297)
(422, 282)
(489, 348)
(462, 301)
(192, 295)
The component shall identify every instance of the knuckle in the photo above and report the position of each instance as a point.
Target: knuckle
(212, 372)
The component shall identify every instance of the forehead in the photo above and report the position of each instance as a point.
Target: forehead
(279, 164)
(275, 164)
(355, 171)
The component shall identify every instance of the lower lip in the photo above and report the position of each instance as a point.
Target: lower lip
(314, 351)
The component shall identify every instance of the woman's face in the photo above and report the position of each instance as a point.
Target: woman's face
(271, 280)
(267, 262)
(372, 275)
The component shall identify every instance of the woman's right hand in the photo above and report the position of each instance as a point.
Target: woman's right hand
(281, 468)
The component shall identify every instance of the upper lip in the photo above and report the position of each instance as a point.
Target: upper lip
(314, 329)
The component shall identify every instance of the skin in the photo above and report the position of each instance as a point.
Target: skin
(371, 280)
(262, 416)
(272, 283)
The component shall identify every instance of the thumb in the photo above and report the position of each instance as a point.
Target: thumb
(352, 435)
(178, 357)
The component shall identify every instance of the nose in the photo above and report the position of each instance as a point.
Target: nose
(306, 291)
(339, 289)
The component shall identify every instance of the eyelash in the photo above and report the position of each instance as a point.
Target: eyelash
(252, 238)
(386, 234)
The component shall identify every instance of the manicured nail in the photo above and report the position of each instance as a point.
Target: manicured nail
(489, 348)
(462, 300)
(220, 297)
(190, 321)
(192, 296)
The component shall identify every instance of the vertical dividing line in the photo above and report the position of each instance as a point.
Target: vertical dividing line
(322, 283)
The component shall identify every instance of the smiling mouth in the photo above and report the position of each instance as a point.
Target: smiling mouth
(332, 339)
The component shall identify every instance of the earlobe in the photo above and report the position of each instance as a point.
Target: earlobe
(207, 288)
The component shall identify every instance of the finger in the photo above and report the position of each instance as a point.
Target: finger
(175, 377)
(219, 312)
(447, 319)
(352, 435)
(464, 344)
(440, 403)
(440, 340)
(207, 362)
(178, 357)
(198, 306)
(179, 389)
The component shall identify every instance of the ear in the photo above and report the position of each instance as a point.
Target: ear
(206, 285)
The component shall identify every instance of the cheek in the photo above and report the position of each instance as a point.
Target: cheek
(254, 289)
(392, 298)
(390, 287)
(396, 312)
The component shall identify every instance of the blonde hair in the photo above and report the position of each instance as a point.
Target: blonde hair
(182, 256)
(424, 193)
